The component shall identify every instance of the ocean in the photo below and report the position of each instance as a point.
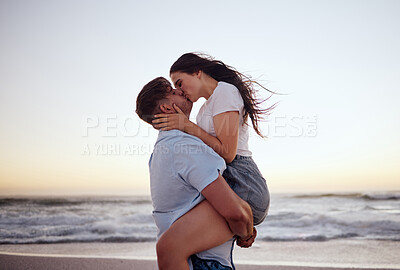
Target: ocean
(292, 217)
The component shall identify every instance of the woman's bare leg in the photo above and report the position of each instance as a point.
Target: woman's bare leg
(200, 229)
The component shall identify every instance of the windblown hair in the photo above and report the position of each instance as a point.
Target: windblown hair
(193, 62)
(148, 100)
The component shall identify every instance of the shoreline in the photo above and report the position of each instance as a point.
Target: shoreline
(334, 254)
(17, 261)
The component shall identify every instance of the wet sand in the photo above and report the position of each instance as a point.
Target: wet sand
(341, 254)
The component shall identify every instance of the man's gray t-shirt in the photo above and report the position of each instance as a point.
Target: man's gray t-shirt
(181, 166)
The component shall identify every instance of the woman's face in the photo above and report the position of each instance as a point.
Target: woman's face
(190, 84)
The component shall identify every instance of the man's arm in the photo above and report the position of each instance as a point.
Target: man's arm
(228, 204)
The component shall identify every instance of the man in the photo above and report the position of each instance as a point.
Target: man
(183, 172)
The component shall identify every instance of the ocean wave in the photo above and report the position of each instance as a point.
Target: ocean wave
(80, 239)
(327, 195)
(315, 237)
(120, 229)
(381, 197)
(320, 217)
(73, 201)
(371, 196)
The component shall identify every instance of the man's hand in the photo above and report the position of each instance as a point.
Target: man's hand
(247, 242)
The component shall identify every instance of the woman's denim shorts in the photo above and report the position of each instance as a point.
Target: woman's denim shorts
(201, 264)
(245, 179)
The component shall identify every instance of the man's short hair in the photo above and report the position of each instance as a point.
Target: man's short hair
(148, 100)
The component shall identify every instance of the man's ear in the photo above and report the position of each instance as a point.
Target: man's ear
(166, 108)
(199, 73)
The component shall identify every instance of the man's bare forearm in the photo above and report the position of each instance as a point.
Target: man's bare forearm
(242, 224)
(228, 204)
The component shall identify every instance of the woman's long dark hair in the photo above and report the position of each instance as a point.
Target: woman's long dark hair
(192, 62)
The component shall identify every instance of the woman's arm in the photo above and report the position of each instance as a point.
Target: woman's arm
(226, 126)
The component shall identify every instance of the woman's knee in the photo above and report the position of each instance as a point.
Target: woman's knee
(162, 255)
(168, 253)
(163, 247)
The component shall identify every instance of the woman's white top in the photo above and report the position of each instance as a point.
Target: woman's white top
(225, 98)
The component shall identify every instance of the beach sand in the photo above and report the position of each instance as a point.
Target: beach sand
(340, 254)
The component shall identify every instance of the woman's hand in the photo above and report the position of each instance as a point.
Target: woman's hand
(178, 120)
(248, 242)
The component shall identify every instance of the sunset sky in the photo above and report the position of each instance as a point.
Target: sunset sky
(70, 72)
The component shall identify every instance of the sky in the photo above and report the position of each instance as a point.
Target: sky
(70, 72)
